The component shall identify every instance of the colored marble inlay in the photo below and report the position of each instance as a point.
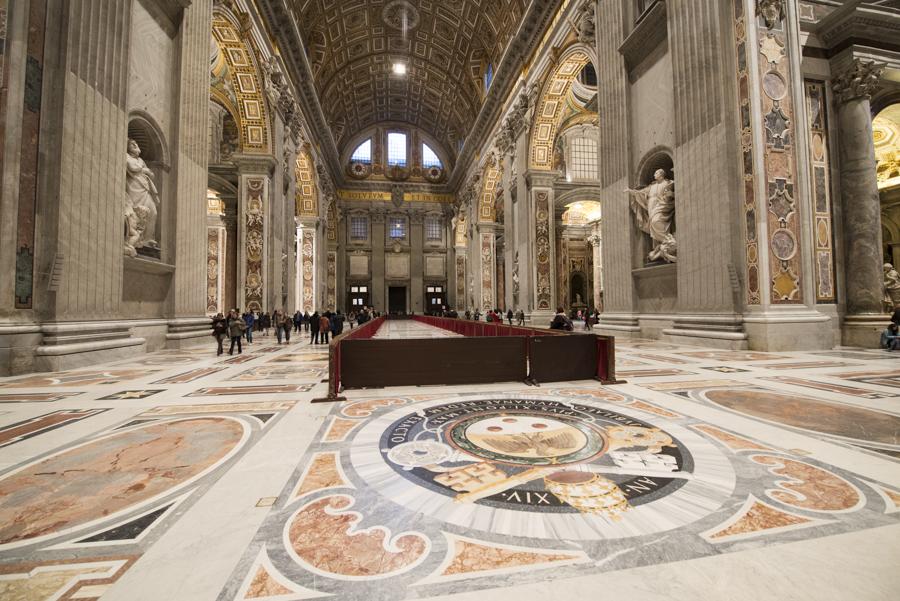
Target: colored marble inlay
(809, 487)
(110, 474)
(43, 423)
(83, 579)
(845, 421)
(829, 387)
(472, 556)
(75, 378)
(36, 397)
(190, 376)
(268, 389)
(816, 111)
(325, 536)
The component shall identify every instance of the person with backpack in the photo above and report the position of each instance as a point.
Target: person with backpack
(287, 323)
(220, 331)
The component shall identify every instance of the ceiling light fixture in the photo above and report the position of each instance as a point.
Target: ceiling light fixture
(399, 68)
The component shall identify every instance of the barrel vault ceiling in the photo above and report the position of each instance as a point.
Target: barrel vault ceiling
(351, 46)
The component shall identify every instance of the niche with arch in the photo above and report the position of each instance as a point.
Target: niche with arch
(146, 133)
(659, 158)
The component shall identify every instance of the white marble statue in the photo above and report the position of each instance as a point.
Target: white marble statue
(891, 288)
(654, 210)
(141, 202)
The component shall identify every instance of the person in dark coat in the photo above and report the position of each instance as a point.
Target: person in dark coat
(306, 320)
(337, 323)
(324, 328)
(314, 328)
(220, 331)
(236, 327)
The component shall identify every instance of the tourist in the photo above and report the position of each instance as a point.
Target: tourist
(509, 316)
(276, 324)
(287, 325)
(561, 321)
(520, 317)
(324, 327)
(306, 320)
(351, 317)
(249, 320)
(236, 327)
(477, 315)
(314, 328)
(265, 322)
(468, 314)
(298, 321)
(220, 331)
(890, 338)
(337, 323)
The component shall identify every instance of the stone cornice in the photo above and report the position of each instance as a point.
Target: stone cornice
(853, 22)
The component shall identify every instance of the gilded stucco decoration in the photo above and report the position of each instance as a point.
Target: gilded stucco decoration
(307, 197)
(886, 135)
(551, 106)
(352, 46)
(254, 221)
(246, 86)
(543, 269)
(487, 204)
(307, 266)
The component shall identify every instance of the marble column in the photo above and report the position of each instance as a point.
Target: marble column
(596, 242)
(417, 261)
(859, 187)
(216, 258)
(864, 278)
(253, 230)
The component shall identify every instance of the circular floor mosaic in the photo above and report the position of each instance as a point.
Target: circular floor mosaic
(543, 467)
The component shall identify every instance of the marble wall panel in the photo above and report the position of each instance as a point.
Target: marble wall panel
(820, 168)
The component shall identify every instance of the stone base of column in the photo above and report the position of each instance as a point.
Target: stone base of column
(716, 331)
(17, 344)
(70, 345)
(806, 331)
(188, 331)
(620, 325)
(863, 330)
(539, 319)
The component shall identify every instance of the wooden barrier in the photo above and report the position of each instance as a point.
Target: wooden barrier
(486, 352)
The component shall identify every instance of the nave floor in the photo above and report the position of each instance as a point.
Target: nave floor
(709, 475)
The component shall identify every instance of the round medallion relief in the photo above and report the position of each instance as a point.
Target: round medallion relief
(400, 14)
(542, 467)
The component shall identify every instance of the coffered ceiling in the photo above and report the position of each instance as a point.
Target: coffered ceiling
(351, 46)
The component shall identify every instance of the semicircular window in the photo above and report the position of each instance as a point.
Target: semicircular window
(363, 153)
(430, 158)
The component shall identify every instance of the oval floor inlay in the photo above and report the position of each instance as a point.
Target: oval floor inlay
(105, 476)
(810, 414)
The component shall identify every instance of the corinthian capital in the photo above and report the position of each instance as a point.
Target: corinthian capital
(858, 81)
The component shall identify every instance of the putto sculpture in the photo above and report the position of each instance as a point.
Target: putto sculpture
(654, 210)
(141, 203)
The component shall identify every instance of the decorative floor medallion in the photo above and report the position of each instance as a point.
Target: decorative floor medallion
(542, 467)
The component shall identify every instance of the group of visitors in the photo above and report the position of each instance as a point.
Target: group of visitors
(239, 327)
(497, 316)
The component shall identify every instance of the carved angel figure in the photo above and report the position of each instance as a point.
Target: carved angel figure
(141, 202)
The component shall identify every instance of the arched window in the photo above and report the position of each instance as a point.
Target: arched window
(583, 159)
(488, 76)
(396, 149)
(588, 76)
(429, 158)
(363, 153)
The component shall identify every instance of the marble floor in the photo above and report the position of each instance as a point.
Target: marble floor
(411, 329)
(709, 474)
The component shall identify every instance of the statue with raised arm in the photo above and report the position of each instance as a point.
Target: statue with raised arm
(891, 288)
(142, 200)
(654, 210)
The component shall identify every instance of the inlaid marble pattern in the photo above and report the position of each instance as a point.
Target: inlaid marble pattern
(420, 493)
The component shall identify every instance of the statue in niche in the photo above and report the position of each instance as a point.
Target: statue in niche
(515, 279)
(141, 203)
(654, 210)
(891, 288)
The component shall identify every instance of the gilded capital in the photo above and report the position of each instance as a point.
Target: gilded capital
(858, 81)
